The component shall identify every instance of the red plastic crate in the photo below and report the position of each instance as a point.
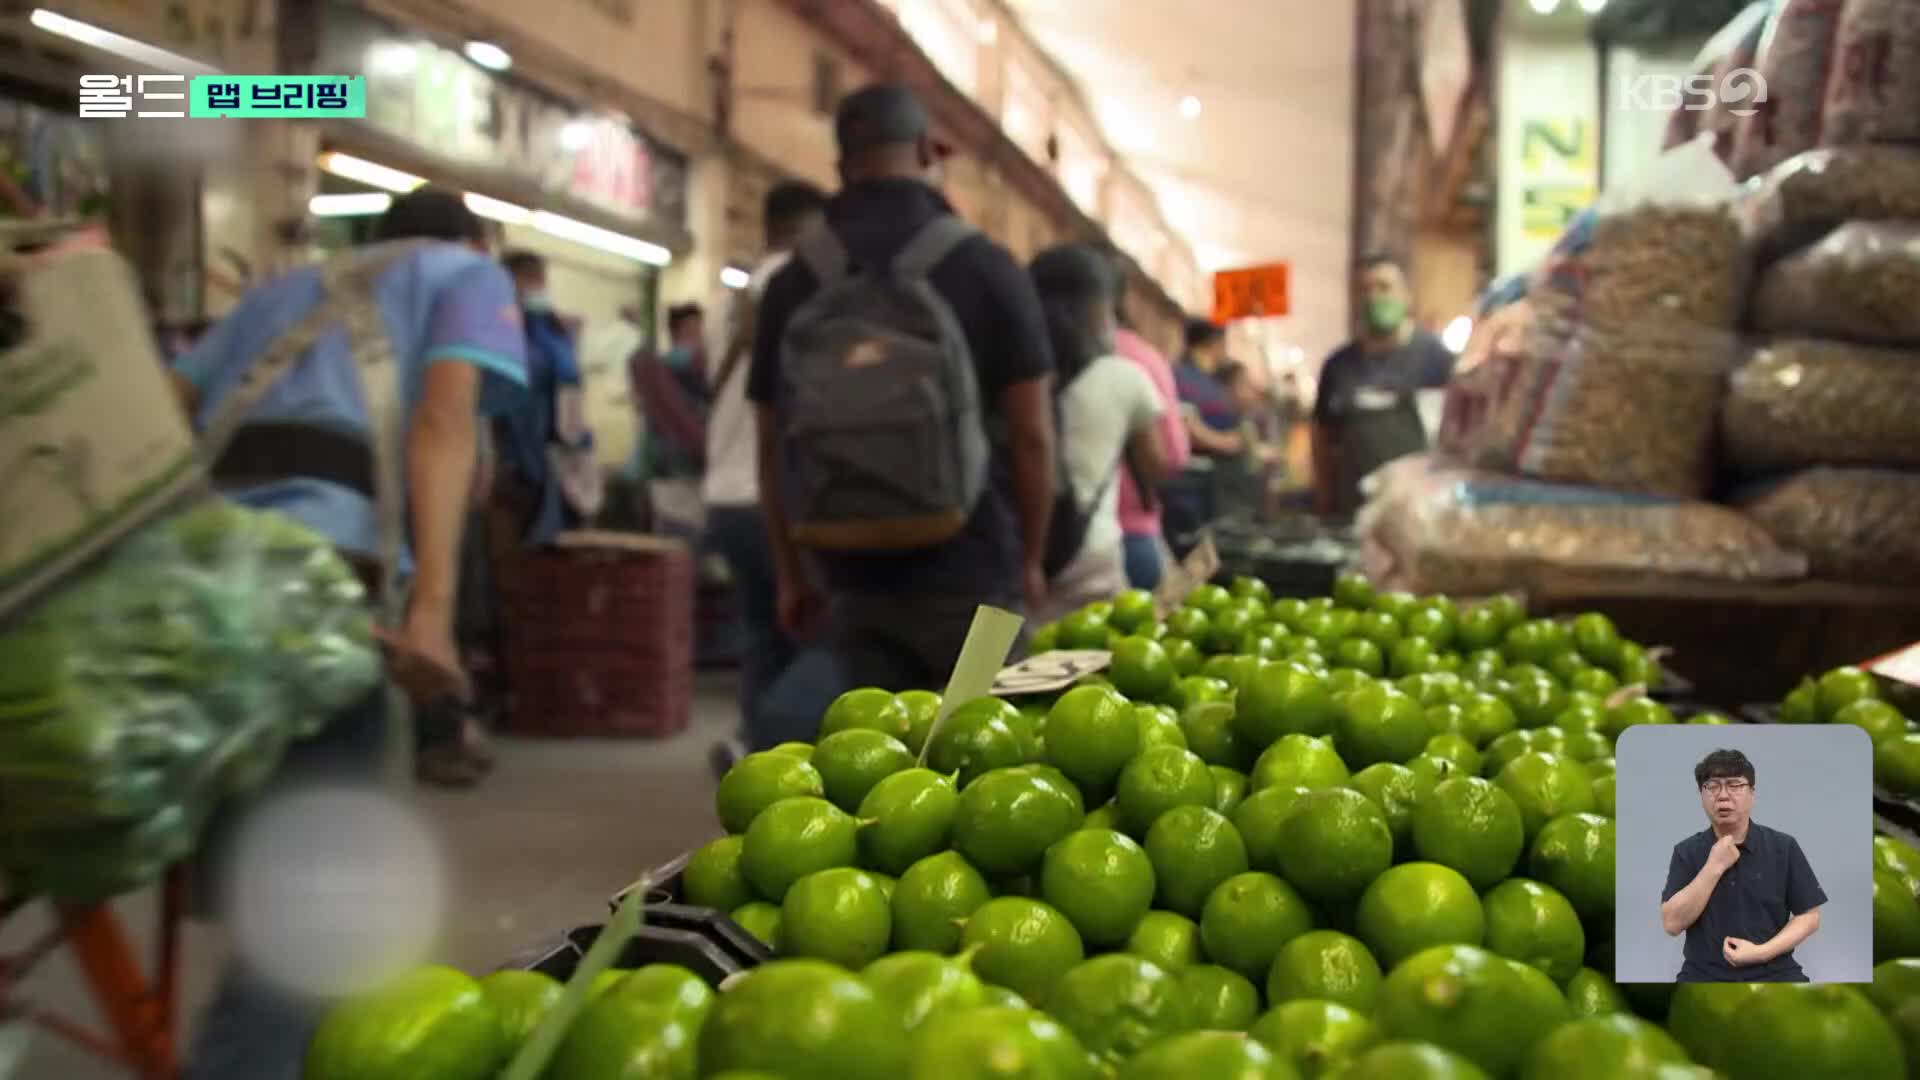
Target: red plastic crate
(600, 633)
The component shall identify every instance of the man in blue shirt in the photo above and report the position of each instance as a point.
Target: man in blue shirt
(305, 451)
(1213, 421)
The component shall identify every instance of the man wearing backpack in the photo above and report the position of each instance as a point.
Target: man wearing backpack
(903, 378)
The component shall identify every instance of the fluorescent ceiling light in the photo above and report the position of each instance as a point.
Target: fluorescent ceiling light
(362, 171)
(1545, 7)
(362, 204)
(496, 210)
(488, 55)
(124, 47)
(1190, 107)
(1459, 331)
(593, 236)
(1592, 7)
(393, 58)
(735, 278)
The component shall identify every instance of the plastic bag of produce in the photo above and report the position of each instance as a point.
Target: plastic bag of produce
(1858, 284)
(1794, 62)
(1629, 334)
(1456, 530)
(1807, 196)
(1854, 524)
(1800, 402)
(1874, 94)
(1734, 85)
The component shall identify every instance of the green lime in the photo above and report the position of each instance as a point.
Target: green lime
(1203, 688)
(1084, 629)
(869, 708)
(1058, 780)
(671, 987)
(1228, 628)
(1210, 732)
(922, 707)
(1488, 718)
(1534, 924)
(1472, 826)
(1353, 591)
(1393, 788)
(1132, 611)
(1044, 639)
(1157, 781)
(1159, 726)
(1193, 850)
(1334, 843)
(1603, 1048)
(1379, 628)
(1429, 770)
(1582, 716)
(1469, 1001)
(1574, 853)
(521, 999)
(1840, 688)
(1432, 688)
(1599, 643)
(757, 781)
(1116, 1005)
(840, 915)
(1103, 817)
(1536, 696)
(1247, 919)
(1566, 664)
(1397, 604)
(1603, 795)
(1590, 993)
(1207, 1054)
(1412, 656)
(933, 900)
(924, 983)
(801, 750)
(1593, 680)
(1361, 655)
(1896, 763)
(1484, 668)
(1478, 628)
(1170, 941)
(713, 877)
(1282, 698)
(1418, 905)
(1327, 965)
(1511, 609)
(1024, 945)
(1896, 917)
(1257, 819)
(1318, 1037)
(1184, 655)
(1229, 789)
(804, 1020)
(1214, 998)
(794, 838)
(1379, 723)
(1008, 818)
(1141, 669)
(1209, 598)
(1300, 761)
(1899, 858)
(1545, 786)
(905, 818)
(1188, 622)
(1802, 704)
(1535, 641)
(1262, 643)
(1896, 993)
(1432, 624)
(616, 1035)
(1585, 746)
(1803, 1030)
(994, 1043)
(1455, 748)
(1101, 881)
(1288, 611)
(851, 762)
(1091, 735)
(760, 919)
(1409, 1060)
(1636, 711)
(979, 737)
(1507, 747)
(606, 981)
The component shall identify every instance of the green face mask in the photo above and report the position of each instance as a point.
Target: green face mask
(1385, 314)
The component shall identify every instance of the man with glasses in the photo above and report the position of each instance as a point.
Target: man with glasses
(1743, 893)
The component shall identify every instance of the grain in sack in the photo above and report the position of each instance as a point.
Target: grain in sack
(1733, 52)
(1799, 402)
(1861, 283)
(1853, 524)
(1874, 93)
(1808, 195)
(1795, 65)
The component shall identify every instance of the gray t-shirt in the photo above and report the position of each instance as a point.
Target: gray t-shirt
(1099, 413)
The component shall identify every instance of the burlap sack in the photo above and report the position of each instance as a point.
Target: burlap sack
(1860, 283)
(1798, 402)
(1853, 524)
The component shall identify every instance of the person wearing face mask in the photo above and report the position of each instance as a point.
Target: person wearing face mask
(1367, 410)
(673, 391)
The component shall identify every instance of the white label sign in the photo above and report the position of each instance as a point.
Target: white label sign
(1902, 666)
(1050, 671)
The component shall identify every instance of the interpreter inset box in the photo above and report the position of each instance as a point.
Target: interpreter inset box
(1744, 853)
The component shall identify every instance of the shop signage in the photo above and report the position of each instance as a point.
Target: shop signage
(1559, 159)
(1196, 570)
(1253, 293)
(1046, 672)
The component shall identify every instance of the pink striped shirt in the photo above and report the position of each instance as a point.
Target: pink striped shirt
(1135, 518)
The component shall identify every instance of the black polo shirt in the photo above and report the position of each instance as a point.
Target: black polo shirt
(1753, 900)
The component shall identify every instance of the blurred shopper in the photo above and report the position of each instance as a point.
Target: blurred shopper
(549, 480)
(1140, 506)
(1367, 411)
(674, 397)
(305, 452)
(1109, 413)
(1240, 480)
(897, 616)
(1213, 425)
(736, 528)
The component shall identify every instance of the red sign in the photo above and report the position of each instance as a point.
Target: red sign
(1253, 293)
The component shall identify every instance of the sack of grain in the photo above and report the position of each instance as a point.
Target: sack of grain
(1735, 90)
(1799, 402)
(1456, 530)
(1616, 378)
(1857, 284)
(1853, 524)
(1806, 196)
(1874, 94)
(1795, 65)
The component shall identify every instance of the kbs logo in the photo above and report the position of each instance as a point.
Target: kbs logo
(1741, 92)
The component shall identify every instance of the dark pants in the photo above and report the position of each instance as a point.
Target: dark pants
(738, 534)
(252, 1030)
(1186, 507)
(1143, 561)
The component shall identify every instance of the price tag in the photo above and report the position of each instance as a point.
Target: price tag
(1196, 570)
(1902, 666)
(1050, 671)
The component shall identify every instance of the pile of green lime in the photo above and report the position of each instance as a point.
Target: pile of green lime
(1362, 836)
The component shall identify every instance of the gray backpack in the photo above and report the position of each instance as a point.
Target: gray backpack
(883, 442)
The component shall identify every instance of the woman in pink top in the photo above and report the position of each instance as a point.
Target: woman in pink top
(1140, 511)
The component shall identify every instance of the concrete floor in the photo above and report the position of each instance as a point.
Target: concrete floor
(538, 848)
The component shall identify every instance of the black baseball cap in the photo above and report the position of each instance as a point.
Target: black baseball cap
(883, 114)
(430, 213)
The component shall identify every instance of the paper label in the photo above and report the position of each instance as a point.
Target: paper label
(1194, 571)
(1902, 666)
(1050, 671)
(981, 657)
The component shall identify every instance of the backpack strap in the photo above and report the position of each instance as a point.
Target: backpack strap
(931, 245)
(824, 254)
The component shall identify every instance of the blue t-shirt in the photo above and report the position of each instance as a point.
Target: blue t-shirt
(442, 303)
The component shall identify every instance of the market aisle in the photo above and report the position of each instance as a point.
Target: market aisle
(558, 828)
